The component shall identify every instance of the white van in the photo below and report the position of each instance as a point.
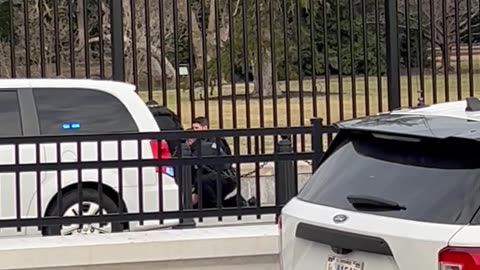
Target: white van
(56, 107)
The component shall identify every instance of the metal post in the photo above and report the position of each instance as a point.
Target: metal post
(118, 69)
(393, 68)
(185, 183)
(317, 142)
(284, 174)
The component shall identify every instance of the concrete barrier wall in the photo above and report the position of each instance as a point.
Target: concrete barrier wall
(233, 248)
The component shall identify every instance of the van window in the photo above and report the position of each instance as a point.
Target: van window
(10, 120)
(81, 111)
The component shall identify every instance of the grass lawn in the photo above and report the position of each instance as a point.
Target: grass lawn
(335, 101)
(340, 102)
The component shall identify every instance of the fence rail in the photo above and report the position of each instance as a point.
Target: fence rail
(54, 181)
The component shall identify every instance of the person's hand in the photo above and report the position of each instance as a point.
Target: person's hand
(190, 141)
(194, 199)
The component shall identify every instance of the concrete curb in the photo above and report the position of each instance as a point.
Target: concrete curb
(137, 248)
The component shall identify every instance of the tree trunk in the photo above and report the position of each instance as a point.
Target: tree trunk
(182, 6)
(210, 34)
(266, 77)
(197, 42)
(170, 72)
(81, 28)
(446, 51)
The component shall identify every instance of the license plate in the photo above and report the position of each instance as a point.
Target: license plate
(337, 263)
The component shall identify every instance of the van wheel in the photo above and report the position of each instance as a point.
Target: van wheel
(90, 206)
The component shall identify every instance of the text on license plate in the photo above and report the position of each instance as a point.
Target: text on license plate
(337, 263)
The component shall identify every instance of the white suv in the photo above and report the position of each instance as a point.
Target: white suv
(394, 191)
(57, 107)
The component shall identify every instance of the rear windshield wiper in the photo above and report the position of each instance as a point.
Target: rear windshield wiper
(372, 203)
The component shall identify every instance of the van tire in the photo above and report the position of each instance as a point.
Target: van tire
(71, 198)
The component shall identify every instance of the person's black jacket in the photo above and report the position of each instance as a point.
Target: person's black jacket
(224, 171)
(223, 145)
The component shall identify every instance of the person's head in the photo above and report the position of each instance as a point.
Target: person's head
(200, 123)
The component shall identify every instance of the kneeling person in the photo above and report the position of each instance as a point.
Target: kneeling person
(206, 177)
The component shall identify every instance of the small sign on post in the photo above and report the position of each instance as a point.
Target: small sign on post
(184, 74)
(183, 70)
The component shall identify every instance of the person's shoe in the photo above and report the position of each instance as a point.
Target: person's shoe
(252, 201)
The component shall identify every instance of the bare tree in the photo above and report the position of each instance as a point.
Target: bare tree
(446, 16)
(209, 39)
(40, 17)
(41, 44)
(135, 38)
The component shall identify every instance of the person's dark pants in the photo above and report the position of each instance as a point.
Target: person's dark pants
(209, 194)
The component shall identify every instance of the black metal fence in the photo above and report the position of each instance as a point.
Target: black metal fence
(253, 63)
(52, 181)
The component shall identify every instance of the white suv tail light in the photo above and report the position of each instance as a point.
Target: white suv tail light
(455, 258)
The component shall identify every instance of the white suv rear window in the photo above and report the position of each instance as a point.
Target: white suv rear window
(436, 180)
